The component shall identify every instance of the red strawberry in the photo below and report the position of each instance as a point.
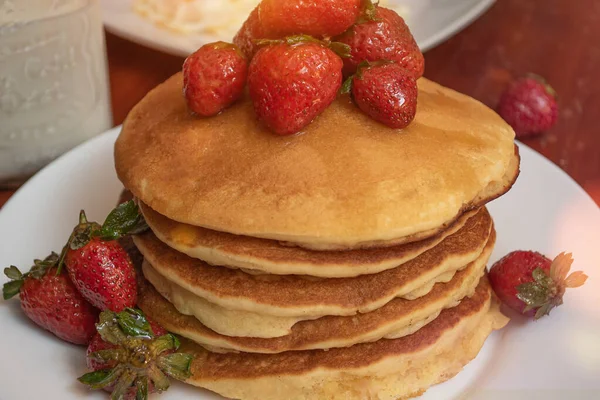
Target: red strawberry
(131, 357)
(292, 82)
(98, 265)
(386, 92)
(52, 301)
(250, 31)
(104, 274)
(319, 18)
(531, 284)
(529, 106)
(385, 37)
(214, 77)
(275, 19)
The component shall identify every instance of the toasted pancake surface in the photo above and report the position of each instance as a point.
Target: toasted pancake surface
(258, 255)
(383, 370)
(295, 295)
(399, 317)
(345, 182)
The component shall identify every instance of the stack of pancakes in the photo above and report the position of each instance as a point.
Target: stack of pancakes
(346, 262)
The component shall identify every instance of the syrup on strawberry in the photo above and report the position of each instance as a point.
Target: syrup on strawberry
(292, 81)
(214, 78)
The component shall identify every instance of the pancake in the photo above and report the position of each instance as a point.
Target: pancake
(245, 323)
(294, 295)
(383, 370)
(396, 319)
(345, 182)
(255, 255)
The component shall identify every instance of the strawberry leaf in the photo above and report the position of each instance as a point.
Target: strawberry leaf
(101, 378)
(369, 12)
(158, 378)
(537, 293)
(347, 85)
(11, 289)
(13, 273)
(134, 323)
(125, 219)
(141, 384)
(123, 384)
(80, 238)
(176, 365)
(341, 49)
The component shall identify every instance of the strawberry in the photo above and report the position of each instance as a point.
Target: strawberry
(319, 18)
(275, 19)
(529, 106)
(382, 36)
(531, 284)
(131, 357)
(98, 265)
(97, 344)
(50, 299)
(214, 77)
(291, 82)
(386, 92)
(251, 30)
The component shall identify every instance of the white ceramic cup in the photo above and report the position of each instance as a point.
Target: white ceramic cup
(54, 91)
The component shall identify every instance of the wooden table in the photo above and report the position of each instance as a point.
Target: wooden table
(557, 39)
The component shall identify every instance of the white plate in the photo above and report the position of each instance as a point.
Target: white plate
(431, 22)
(555, 358)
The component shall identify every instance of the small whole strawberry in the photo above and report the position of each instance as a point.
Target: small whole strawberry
(386, 92)
(98, 265)
(292, 81)
(319, 18)
(529, 106)
(131, 357)
(382, 35)
(532, 284)
(50, 299)
(214, 77)
(276, 19)
(251, 31)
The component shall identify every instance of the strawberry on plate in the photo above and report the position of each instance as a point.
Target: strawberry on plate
(98, 265)
(50, 299)
(292, 81)
(386, 92)
(531, 283)
(132, 357)
(383, 35)
(214, 77)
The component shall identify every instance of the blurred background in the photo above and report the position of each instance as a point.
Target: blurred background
(71, 69)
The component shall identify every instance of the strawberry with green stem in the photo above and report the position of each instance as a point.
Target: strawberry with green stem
(381, 34)
(532, 284)
(132, 359)
(385, 91)
(276, 19)
(98, 265)
(292, 81)
(49, 298)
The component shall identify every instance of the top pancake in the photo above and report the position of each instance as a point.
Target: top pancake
(346, 181)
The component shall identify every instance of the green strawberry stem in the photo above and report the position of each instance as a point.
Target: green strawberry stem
(141, 358)
(341, 49)
(369, 12)
(124, 220)
(546, 291)
(38, 270)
